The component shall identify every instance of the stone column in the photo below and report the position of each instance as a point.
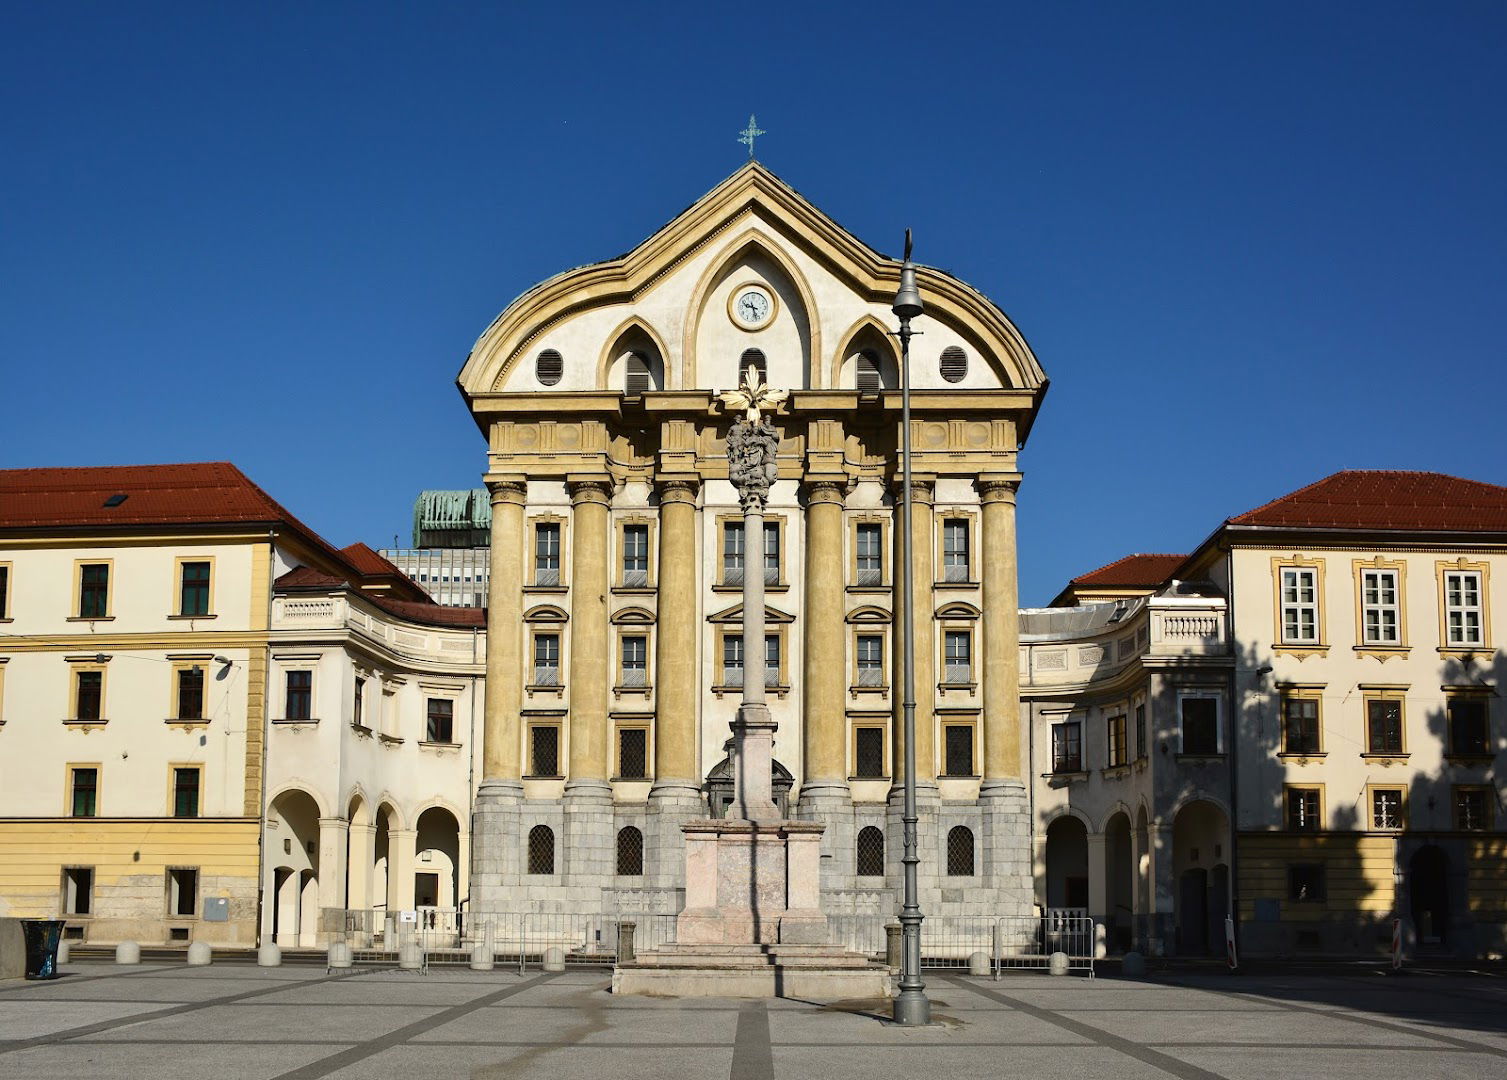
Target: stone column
(1002, 794)
(588, 796)
(495, 854)
(332, 842)
(675, 797)
(1162, 917)
(753, 746)
(1140, 863)
(360, 858)
(401, 855)
(1098, 879)
(825, 795)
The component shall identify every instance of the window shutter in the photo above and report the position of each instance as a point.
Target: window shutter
(867, 372)
(548, 367)
(752, 358)
(954, 364)
(638, 380)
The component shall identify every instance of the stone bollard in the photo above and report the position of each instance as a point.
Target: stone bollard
(1133, 964)
(62, 952)
(269, 955)
(1057, 965)
(338, 957)
(483, 952)
(978, 963)
(892, 944)
(410, 955)
(1101, 942)
(200, 954)
(625, 932)
(128, 952)
(554, 958)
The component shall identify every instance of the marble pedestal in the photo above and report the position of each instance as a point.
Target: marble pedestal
(752, 925)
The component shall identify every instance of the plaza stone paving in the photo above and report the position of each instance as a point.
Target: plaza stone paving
(234, 1022)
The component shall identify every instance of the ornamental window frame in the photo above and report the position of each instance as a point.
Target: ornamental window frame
(1308, 699)
(1390, 698)
(1463, 571)
(775, 526)
(650, 572)
(1488, 807)
(957, 576)
(71, 789)
(626, 725)
(78, 667)
(1200, 694)
(879, 722)
(1117, 721)
(78, 614)
(533, 723)
(173, 769)
(947, 723)
(1372, 606)
(539, 576)
(175, 691)
(860, 577)
(1452, 747)
(1296, 642)
(1375, 793)
(1311, 811)
(1066, 746)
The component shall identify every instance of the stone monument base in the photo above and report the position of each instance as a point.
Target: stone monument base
(811, 972)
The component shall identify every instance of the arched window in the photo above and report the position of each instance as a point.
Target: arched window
(866, 371)
(954, 364)
(870, 852)
(630, 851)
(752, 358)
(548, 367)
(960, 852)
(638, 380)
(541, 850)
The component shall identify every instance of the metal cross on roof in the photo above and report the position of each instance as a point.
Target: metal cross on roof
(748, 134)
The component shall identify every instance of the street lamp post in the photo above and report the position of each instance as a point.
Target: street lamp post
(912, 1007)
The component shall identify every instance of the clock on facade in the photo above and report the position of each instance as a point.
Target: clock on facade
(751, 306)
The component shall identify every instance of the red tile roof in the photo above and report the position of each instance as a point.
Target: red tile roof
(1132, 571)
(1387, 500)
(370, 562)
(433, 614)
(306, 577)
(200, 493)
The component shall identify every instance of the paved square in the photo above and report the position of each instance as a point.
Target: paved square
(237, 1022)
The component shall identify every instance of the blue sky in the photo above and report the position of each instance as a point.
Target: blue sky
(1251, 244)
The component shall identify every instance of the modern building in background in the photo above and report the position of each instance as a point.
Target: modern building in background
(216, 726)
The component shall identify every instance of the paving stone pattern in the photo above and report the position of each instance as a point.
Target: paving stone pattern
(237, 1022)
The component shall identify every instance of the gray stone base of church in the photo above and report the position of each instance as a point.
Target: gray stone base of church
(975, 856)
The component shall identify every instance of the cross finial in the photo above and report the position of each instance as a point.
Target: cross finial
(748, 134)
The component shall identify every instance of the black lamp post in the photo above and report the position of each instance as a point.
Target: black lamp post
(912, 1007)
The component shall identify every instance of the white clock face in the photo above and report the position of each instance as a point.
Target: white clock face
(752, 307)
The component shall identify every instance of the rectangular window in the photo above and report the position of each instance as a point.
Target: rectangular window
(300, 695)
(1473, 807)
(869, 554)
(1140, 732)
(632, 753)
(546, 659)
(732, 660)
(78, 890)
(1380, 611)
(94, 590)
(183, 892)
(771, 660)
(957, 648)
(186, 792)
(1200, 725)
(870, 660)
(544, 750)
(193, 589)
(1305, 882)
(635, 556)
(1383, 726)
(4, 592)
(1118, 751)
(1067, 747)
(1300, 725)
(635, 673)
(955, 549)
(440, 720)
(1386, 808)
(1462, 608)
(732, 553)
(547, 553)
(958, 749)
(868, 753)
(358, 707)
(1300, 605)
(771, 553)
(191, 693)
(89, 699)
(85, 794)
(1469, 729)
(1303, 809)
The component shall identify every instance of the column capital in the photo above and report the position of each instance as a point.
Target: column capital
(830, 491)
(589, 489)
(997, 487)
(504, 492)
(678, 489)
(922, 488)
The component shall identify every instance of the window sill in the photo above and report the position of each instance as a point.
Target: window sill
(1463, 651)
(640, 691)
(857, 779)
(1300, 650)
(877, 590)
(876, 691)
(361, 729)
(86, 725)
(90, 618)
(390, 740)
(7, 619)
(955, 585)
(293, 721)
(1383, 652)
(958, 776)
(1066, 777)
(1302, 758)
(631, 779)
(1470, 759)
(190, 618)
(946, 686)
(778, 690)
(635, 590)
(186, 723)
(1386, 759)
(783, 586)
(558, 689)
(1200, 759)
(548, 589)
(1115, 772)
(427, 745)
(542, 776)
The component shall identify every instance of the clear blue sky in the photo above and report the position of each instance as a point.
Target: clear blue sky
(1251, 244)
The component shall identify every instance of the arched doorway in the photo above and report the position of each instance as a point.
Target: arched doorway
(1119, 882)
(1200, 848)
(290, 908)
(1428, 889)
(1067, 864)
(436, 877)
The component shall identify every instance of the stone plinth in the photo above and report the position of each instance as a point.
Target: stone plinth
(812, 972)
(752, 883)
